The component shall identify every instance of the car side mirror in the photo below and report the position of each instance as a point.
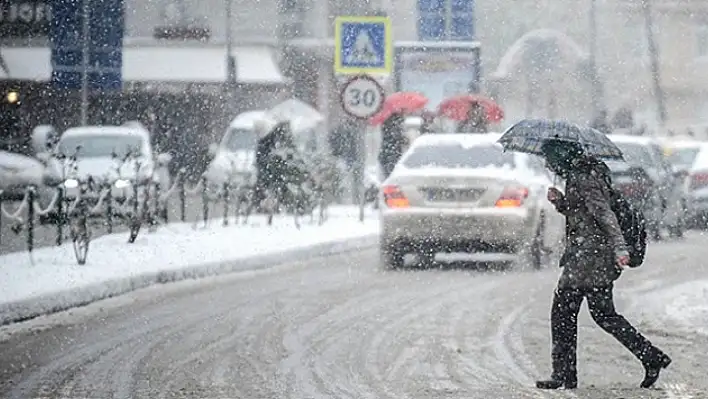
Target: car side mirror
(213, 149)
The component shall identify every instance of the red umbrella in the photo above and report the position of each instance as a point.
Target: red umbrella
(399, 103)
(457, 107)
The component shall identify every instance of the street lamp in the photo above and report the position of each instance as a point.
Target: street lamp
(596, 84)
(86, 14)
(230, 62)
(654, 59)
(12, 97)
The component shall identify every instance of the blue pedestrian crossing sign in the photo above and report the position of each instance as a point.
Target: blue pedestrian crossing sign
(363, 45)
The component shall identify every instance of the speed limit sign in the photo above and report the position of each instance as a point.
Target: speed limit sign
(362, 97)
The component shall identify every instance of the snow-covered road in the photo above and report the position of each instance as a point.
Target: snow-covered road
(339, 327)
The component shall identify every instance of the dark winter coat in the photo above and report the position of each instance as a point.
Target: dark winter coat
(277, 160)
(343, 143)
(593, 237)
(393, 143)
(477, 125)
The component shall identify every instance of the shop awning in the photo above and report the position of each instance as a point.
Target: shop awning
(25, 63)
(255, 65)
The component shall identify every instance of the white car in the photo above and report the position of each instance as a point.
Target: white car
(17, 173)
(463, 193)
(235, 156)
(697, 187)
(99, 152)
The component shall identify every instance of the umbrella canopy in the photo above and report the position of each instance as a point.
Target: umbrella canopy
(399, 103)
(457, 108)
(301, 115)
(293, 110)
(529, 135)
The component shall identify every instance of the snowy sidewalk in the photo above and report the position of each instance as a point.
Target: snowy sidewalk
(174, 252)
(683, 307)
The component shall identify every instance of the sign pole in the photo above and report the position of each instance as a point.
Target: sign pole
(85, 62)
(363, 46)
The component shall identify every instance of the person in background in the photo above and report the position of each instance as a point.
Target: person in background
(426, 126)
(270, 169)
(601, 124)
(393, 143)
(594, 257)
(343, 142)
(476, 121)
(623, 119)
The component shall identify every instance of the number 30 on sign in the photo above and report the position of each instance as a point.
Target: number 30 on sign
(362, 97)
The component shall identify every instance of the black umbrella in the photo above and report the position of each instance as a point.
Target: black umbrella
(529, 135)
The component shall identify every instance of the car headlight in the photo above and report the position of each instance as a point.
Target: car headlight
(121, 183)
(71, 183)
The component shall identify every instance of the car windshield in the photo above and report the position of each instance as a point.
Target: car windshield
(458, 156)
(241, 139)
(637, 154)
(99, 145)
(683, 157)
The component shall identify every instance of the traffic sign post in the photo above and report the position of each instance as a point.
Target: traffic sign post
(362, 97)
(363, 45)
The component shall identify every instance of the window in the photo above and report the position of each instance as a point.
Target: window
(456, 156)
(103, 145)
(462, 21)
(683, 157)
(241, 140)
(431, 19)
(636, 154)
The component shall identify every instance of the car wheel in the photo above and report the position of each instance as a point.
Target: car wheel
(392, 257)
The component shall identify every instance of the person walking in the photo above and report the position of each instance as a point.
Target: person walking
(594, 258)
(476, 121)
(393, 143)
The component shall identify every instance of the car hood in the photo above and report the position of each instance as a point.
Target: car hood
(19, 169)
(105, 168)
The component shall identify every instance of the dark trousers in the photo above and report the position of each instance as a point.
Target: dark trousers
(564, 329)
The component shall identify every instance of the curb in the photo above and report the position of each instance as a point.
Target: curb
(19, 311)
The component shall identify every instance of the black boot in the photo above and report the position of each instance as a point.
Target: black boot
(652, 370)
(555, 383)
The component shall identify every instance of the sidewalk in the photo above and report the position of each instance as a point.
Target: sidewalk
(174, 252)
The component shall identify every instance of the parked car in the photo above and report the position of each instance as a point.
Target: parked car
(17, 173)
(697, 187)
(681, 154)
(661, 192)
(102, 152)
(235, 156)
(463, 193)
(233, 159)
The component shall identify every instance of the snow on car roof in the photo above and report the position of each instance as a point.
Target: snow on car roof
(246, 119)
(99, 130)
(621, 138)
(683, 143)
(465, 139)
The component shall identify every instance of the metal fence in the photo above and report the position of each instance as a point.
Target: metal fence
(145, 208)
